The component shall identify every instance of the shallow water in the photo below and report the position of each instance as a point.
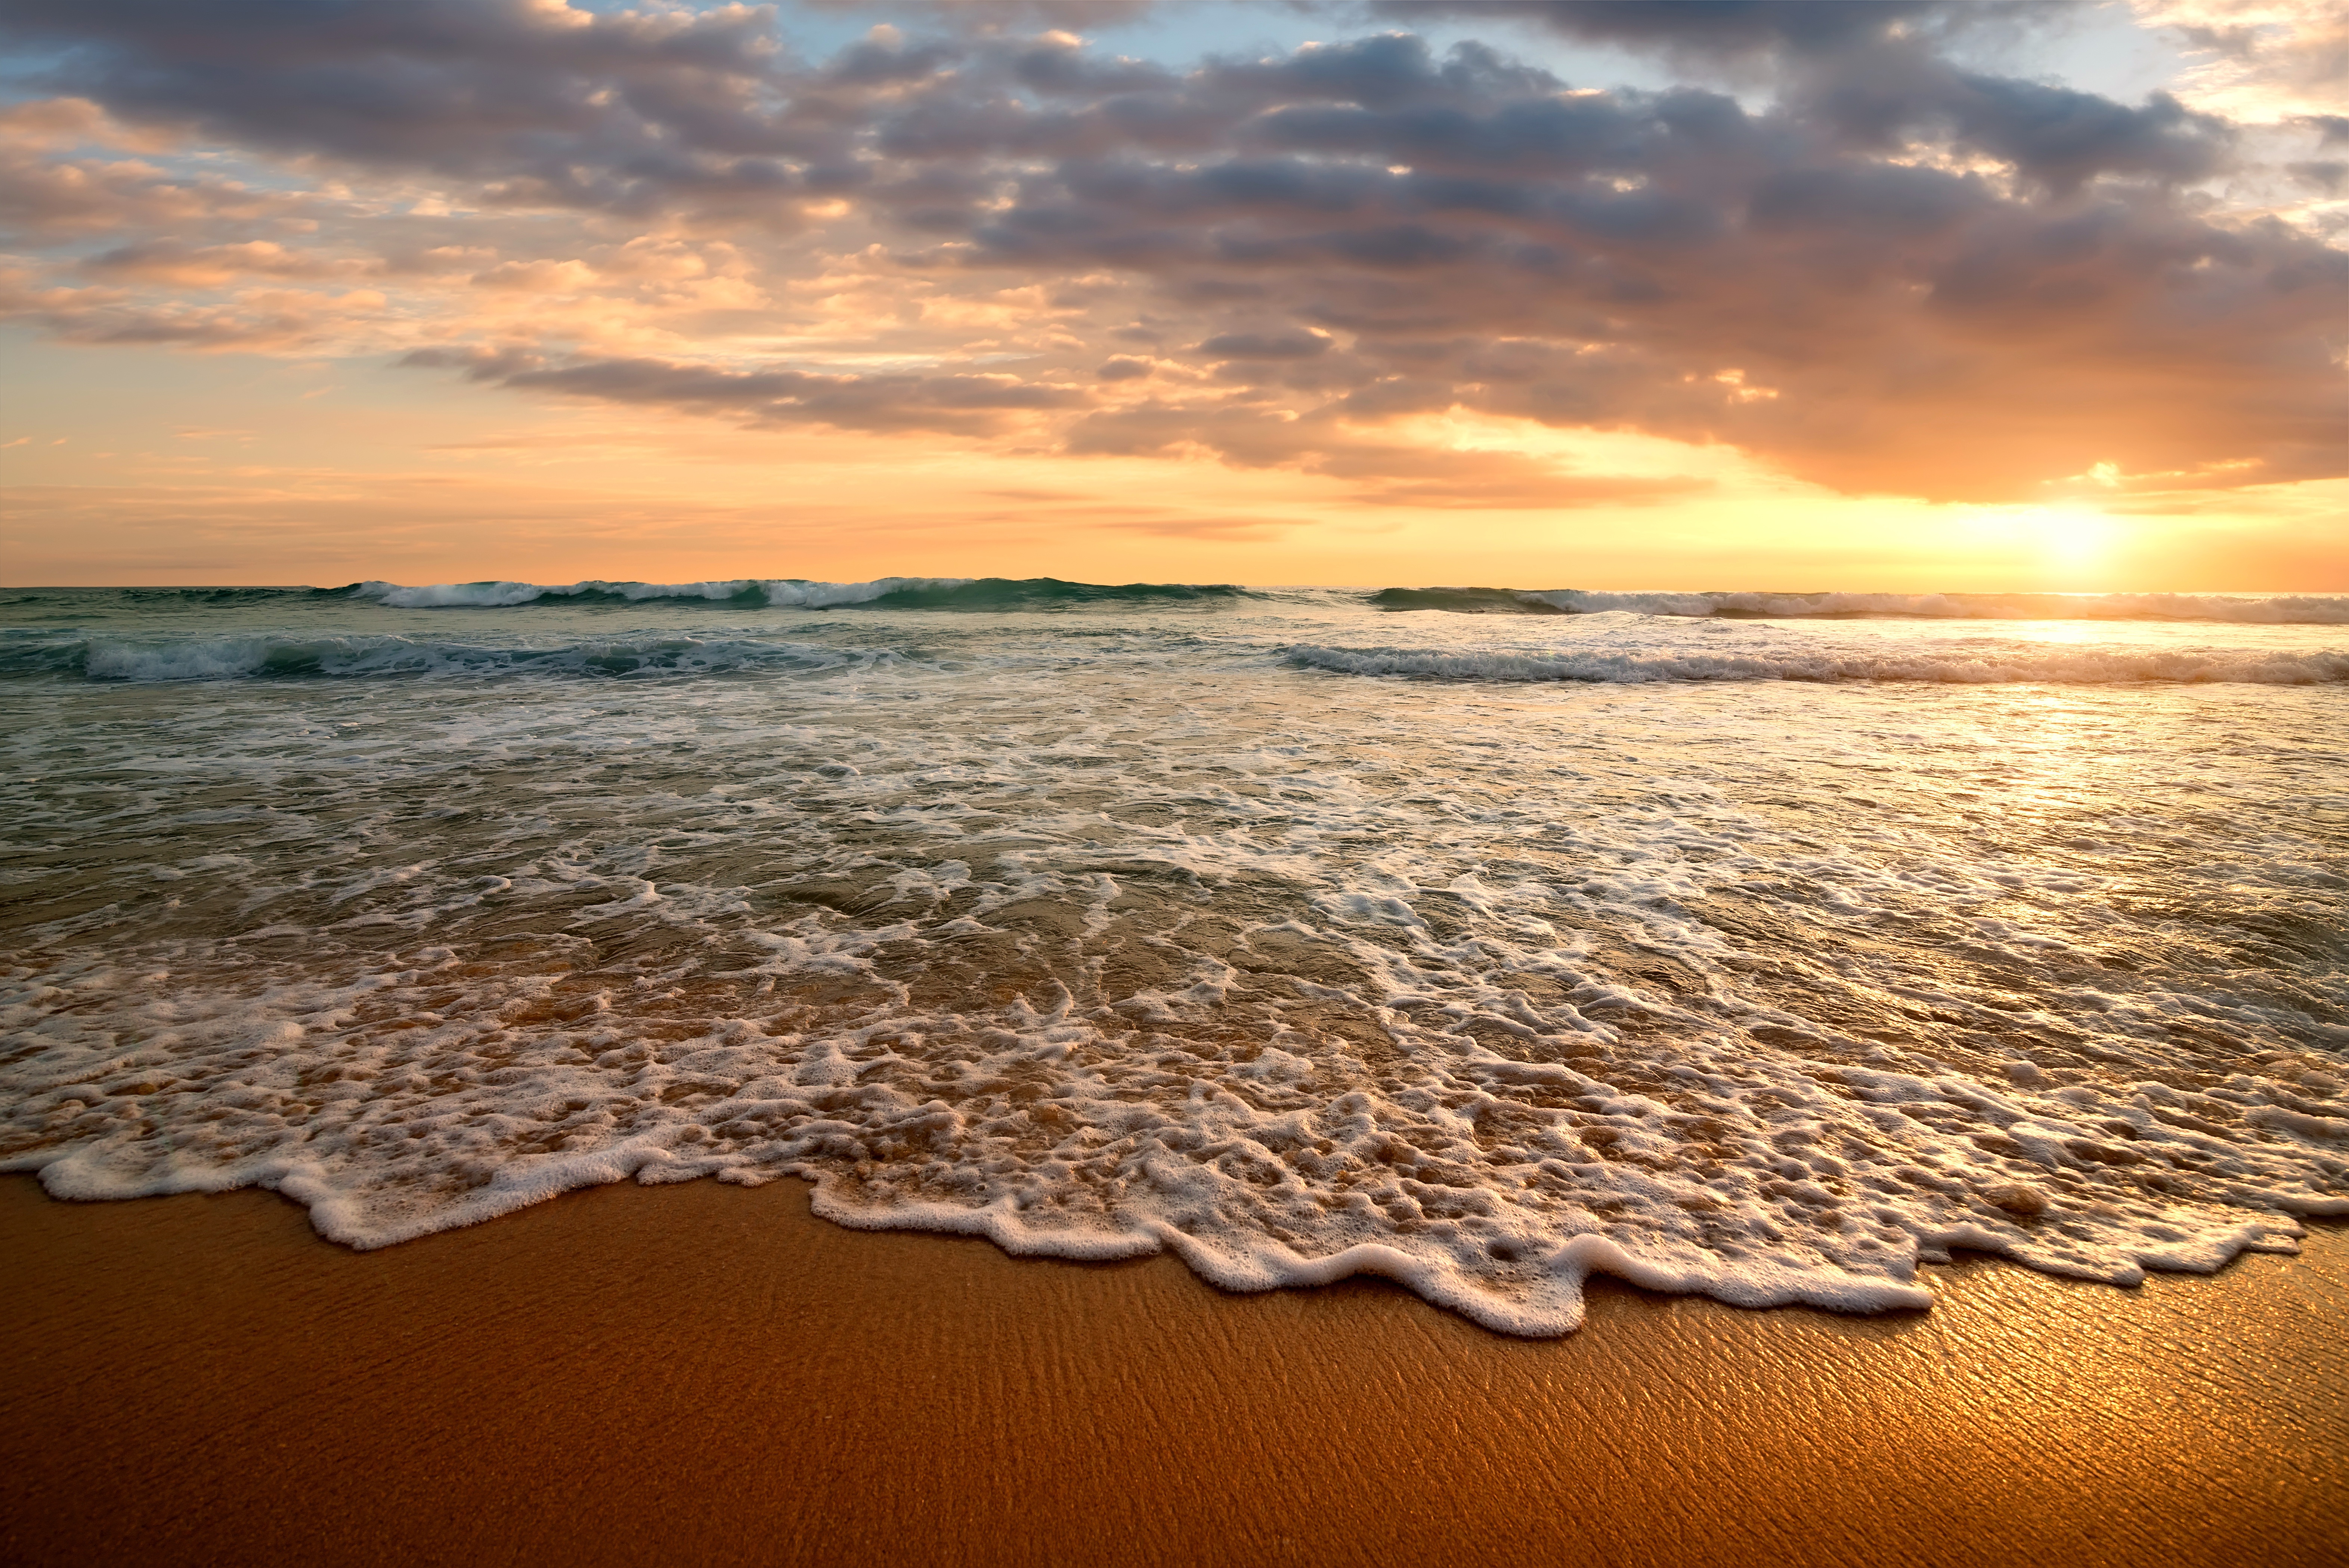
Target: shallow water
(1764, 957)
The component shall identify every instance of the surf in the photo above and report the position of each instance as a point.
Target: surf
(2280, 609)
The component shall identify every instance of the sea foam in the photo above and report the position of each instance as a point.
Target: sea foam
(1766, 959)
(2006, 665)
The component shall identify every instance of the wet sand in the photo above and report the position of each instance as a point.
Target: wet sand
(707, 1374)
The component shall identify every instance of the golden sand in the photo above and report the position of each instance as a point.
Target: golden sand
(708, 1374)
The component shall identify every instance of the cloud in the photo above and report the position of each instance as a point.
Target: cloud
(1265, 345)
(1895, 94)
(45, 199)
(204, 267)
(1599, 260)
(1554, 492)
(253, 320)
(1222, 530)
(1687, 29)
(957, 404)
(1888, 272)
(1376, 470)
(1000, 13)
(2261, 61)
(544, 103)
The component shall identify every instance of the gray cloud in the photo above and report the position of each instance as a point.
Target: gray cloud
(1733, 27)
(988, 14)
(1265, 345)
(630, 112)
(954, 404)
(1898, 275)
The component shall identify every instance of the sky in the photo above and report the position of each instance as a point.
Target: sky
(1733, 293)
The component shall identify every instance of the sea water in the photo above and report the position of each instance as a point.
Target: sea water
(1763, 945)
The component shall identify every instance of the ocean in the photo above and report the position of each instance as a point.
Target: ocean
(1763, 945)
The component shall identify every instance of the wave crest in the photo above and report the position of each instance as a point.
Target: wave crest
(2082, 667)
(2286, 609)
(293, 657)
(797, 593)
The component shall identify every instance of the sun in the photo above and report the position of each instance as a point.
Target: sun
(2073, 536)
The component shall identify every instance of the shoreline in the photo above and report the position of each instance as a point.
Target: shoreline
(706, 1373)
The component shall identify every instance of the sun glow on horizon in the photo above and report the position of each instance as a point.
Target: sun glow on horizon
(2078, 538)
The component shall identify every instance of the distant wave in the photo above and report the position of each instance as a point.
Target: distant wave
(283, 657)
(794, 593)
(2081, 667)
(1469, 601)
(2283, 609)
(220, 597)
(1010, 594)
(744, 592)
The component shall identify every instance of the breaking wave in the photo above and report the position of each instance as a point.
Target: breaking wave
(292, 657)
(795, 593)
(2083, 667)
(1006, 594)
(2317, 609)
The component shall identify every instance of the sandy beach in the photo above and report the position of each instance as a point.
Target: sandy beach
(1411, 649)
(707, 1374)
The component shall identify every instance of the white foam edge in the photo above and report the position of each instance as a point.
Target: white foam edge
(1277, 1267)
(75, 1175)
(1557, 1306)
